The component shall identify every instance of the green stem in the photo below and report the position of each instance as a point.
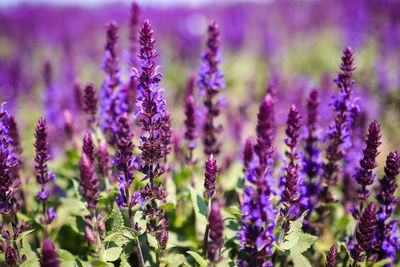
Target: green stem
(99, 244)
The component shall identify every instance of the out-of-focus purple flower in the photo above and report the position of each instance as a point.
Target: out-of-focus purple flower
(311, 161)
(339, 132)
(89, 182)
(190, 117)
(11, 255)
(331, 257)
(290, 193)
(216, 229)
(49, 257)
(103, 159)
(248, 153)
(14, 134)
(133, 30)
(265, 133)
(109, 96)
(364, 174)
(166, 133)
(386, 241)
(90, 104)
(78, 97)
(124, 159)
(69, 126)
(364, 233)
(43, 175)
(210, 177)
(210, 83)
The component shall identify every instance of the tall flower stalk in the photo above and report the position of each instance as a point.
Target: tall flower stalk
(339, 132)
(258, 214)
(151, 117)
(290, 194)
(190, 119)
(90, 105)
(210, 84)
(43, 175)
(365, 175)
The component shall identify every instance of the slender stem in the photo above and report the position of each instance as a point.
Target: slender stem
(205, 239)
(139, 253)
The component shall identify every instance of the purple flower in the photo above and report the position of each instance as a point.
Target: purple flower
(364, 174)
(248, 153)
(216, 228)
(49, 257)
(124, 159)
(9, 182)
(339, 132)
(190, 118)
(311, 161)
(88, 147)
(90, 104)
(386, 241)
(11, 255)
(331, 257)
(153, 120)
(89, 182)
(210, 83)
(290, 193)
(43, 176)
(103, 159)
(210, 177)
(364, 233)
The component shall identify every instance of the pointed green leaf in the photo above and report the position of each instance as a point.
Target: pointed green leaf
(299, 260)
(112, 253)
(199, 206)
(199, 259)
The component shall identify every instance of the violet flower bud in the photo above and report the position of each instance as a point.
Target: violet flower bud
(210, 177)
(247, 153)
(88, 147)
(364, 175)
(90, 104)
(331, 257)
(89, 182)
(49, 257)
(11, 256)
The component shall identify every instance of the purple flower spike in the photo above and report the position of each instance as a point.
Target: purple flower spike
(49, 257)
(290, 193)
(9, 182)
(216, 228)
(364, 233)
(339, 132)
(90, 104)
(210, 177)
(190, 118)
(387, 240)
(311, 160)
(88, 147)
(103, 159)
(210, 83)
(364, 175)
(89, 182)
(248, 153)
(11, 256)
(331, 257)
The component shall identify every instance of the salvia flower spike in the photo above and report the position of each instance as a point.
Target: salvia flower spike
(210, 83)
(339, 132)
(43, 175)
(210, 175)
(364, 174)
(90, 104)
(331, 257)
(48, 256)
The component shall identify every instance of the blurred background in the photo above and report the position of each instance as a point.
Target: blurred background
(46, 47)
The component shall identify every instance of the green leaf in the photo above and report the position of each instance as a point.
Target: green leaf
(124, 262)
(199, 206)
(153, 243)
(174, 260)
(382, 263)
(167, 206)
(23, 234)
(296, 240)
(115, 221)
(299, 260)
(112, 253)
(199, 259)
(31, 257)
(65, 255)
(235, 211)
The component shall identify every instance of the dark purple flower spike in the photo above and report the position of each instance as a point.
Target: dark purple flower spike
(90, 104)
(210, 177)
(48, 256)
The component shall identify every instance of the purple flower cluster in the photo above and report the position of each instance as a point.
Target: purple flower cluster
(153, 120)
(43, 175)
(364, 174)
(339, 133)
(9, 182)
(210, 177)
(190, 118)
(89, 181)
(210, 83)
(258, 214)
(90, 105)
(216, 229)
(387, 240)
(49, 257)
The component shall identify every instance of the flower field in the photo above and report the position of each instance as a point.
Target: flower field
(233, 134)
